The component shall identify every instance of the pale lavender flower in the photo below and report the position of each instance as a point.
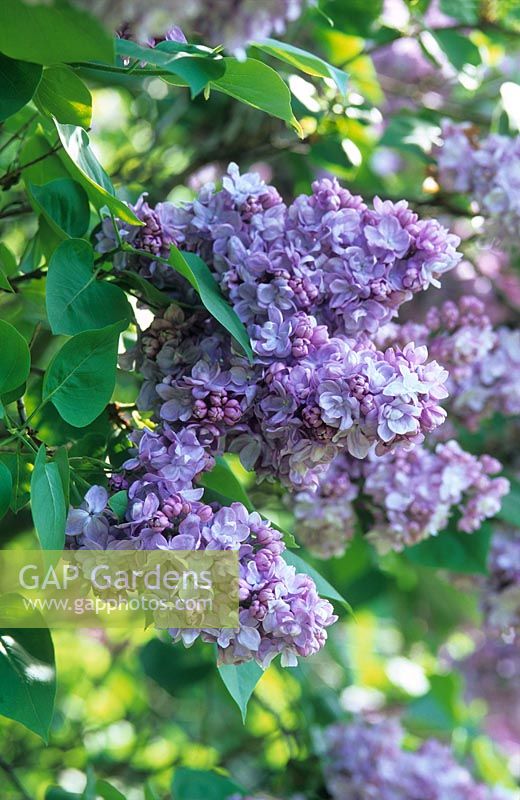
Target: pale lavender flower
(367, 761)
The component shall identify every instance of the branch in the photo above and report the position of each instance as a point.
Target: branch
(15, 212)
(10, 178)
(28, 276)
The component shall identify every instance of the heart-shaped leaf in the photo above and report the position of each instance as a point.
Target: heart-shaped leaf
(82, 375)
(240, 680)
(76, 301)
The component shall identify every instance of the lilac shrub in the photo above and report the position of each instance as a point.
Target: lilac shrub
(367, 761)
(280, 611)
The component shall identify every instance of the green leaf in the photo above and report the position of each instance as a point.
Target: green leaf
(258, 85)
(76, 301)
(454, 550)
(440, 710)
(466, 11)
(63, 95)
(150, 293)
(8, 262)
(149, 792)
(18, 466)
(173, 668)
(84, 166)
(45, 169)
(107, 791)
(324, 588)
(193, 268)
(491, 763)
(304, 61)
(27, 669)
(4, 283)
(459, 49)
(51, 33)
(6, 489)
(8, 267)
(18, 83)
(196, 784)
(56, 793)
(15, 358)
(223, 482)
(61, 459)
(240, 680)
(14, 394)
(119, 503)
(48, 505)
(195, 71)
(81, 377)
(159, 55)
(64, 204)
(89, 792)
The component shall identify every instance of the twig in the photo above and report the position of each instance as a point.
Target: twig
(10, 178)
(29, 276)
(22, 413)
(15, 212)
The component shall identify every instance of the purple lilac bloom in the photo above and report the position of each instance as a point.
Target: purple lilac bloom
(304, 279)
(327, 254)
(233, 24)
(414, 493)
(88, 521)
(501, 598)
(306, 398)
(325, 520)
(411, 494)
(367, 761)
(409, 78)
(280, 611)
(489, 170)
(483, 363)
(492, 673)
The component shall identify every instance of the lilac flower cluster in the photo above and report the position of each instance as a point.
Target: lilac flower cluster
(415, 493)
(367, 761)
(280, 611)
(325, 520)
(411, 494)
(483, 363)
(501, 599)
(492, 673)
(310, 281)
(403, 63)
(233, 24)
(487, 169)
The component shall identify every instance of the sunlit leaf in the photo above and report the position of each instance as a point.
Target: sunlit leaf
(63, 95)
(27, 669)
